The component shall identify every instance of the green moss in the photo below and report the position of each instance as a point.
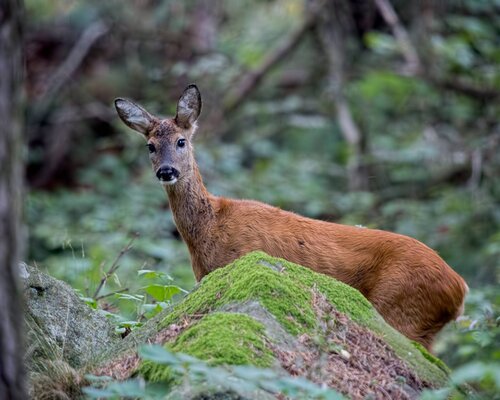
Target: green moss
(153, 372)
(282, 287)
(226, 338)
(429, 357)
(344, 298)
(218, 338)
(285, 290)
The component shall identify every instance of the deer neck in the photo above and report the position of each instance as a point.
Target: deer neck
(192, 210)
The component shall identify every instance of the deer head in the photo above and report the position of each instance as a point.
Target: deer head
(168, 140)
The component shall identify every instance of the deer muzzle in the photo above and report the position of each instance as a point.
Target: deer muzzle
(167, 175)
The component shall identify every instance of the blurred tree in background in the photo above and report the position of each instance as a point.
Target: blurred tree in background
(381, 113)
(12, 373)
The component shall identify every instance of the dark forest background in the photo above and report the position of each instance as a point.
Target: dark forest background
(379, 113)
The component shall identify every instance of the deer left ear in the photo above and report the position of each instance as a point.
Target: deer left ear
(188, 107)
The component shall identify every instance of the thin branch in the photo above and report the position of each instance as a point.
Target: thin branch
(103, 296)
(413, 63)
(87, 111)
(457, 86)
(89, 36)
(251, 80)
(114, 265)
(69, 66)
(476, 169)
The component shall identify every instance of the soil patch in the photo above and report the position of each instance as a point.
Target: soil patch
(124, 366)
(350, 359)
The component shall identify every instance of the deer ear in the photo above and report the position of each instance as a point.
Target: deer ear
(188, 107)
(134, 116)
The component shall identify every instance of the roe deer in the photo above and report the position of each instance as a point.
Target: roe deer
(408, 283)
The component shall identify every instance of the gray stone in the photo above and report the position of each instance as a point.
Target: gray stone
(59, 323)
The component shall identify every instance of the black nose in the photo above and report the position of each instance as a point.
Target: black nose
(167, 174)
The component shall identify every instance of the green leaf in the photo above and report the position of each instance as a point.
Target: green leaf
(477, 371)
(98, 378)
(129, 297)
(134, 388)
(162, 292)
(381, 43)
(90, 302)
(130, 324)
(95, 393)
(437, 394)
(187, 359)
(130, 388)
(151, 274)
(157, 354)
(111, 315)
(150, 310)
(116, 280)
(253, 373)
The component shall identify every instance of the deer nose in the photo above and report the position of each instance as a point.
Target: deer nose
(167, 173)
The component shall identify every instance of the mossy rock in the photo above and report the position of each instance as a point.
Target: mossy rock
(269, 312)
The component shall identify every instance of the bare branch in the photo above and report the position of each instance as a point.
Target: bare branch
(114, 265)
(250, 81)
(413, 63)
(481, 93)
(103, 296)
(87, 111)
(69, 66)
(89, 36)
(476, 169)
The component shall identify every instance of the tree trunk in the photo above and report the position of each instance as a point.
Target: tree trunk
(333, 22)
(204, 26)
(12, 375)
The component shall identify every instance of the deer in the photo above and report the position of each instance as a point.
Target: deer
(408, 283)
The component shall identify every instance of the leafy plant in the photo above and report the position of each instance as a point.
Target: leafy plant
(237, 379)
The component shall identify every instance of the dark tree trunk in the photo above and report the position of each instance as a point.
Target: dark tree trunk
(12, 375)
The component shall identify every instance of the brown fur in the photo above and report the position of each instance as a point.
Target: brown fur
(407, 282)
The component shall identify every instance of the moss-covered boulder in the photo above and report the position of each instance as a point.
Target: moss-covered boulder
(268, 312)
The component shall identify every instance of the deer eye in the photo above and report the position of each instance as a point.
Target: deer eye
(181, 142)
(151, 147)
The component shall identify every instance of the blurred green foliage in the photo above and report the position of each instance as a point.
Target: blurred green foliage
(431, 155)
(238, 380)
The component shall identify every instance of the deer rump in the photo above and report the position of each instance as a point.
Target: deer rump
(413, 289)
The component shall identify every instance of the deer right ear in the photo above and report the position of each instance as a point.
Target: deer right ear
(134, 116)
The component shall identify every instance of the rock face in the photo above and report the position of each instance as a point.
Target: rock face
(59, 324)
(270, 313)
